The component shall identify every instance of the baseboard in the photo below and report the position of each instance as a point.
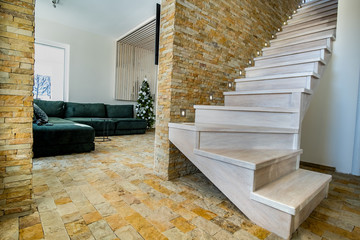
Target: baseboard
(318, 166)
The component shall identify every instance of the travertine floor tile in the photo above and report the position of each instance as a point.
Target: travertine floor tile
(9, 229)
(112, 193)
(32, 233)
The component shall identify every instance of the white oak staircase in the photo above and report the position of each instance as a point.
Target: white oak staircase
(250, 148)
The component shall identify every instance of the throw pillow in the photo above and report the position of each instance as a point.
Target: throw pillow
(40, 114)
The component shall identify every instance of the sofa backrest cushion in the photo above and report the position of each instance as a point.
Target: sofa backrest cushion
(84, 110)
(51, 108)
(120, 111)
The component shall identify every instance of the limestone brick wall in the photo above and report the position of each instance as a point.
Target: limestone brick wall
(203, 45)
(16, 80)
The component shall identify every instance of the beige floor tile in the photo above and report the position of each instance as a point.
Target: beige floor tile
(32, 233)
(101, 230)
(92, 217)
(105, 209)
(30, 220)
(9, 229)
(117, 181)
(128, 233)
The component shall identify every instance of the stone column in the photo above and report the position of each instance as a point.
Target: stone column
(16, 81)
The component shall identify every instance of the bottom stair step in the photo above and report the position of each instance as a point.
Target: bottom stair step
(248, 158)
(292, 192)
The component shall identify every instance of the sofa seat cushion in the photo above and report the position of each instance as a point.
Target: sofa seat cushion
(84, 110)
(120, 111)
(97, 123)
(62, 132)
(129, 123)
(51, 108)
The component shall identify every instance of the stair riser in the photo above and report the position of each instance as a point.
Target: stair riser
(298, 47)
(306, 211)
(312, 5)
(293, 57)
(283, 100)
(304, 24)
(307, 24)
(318, 28)
(266, 119)
(229, 177)
(312, 18)
(287, 83)
(306, 10)
(301, 39)
(239, 140)
(275, 171)
(303, 67)
(314, 11)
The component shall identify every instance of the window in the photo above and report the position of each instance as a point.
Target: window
(51, 71)
(135, 61)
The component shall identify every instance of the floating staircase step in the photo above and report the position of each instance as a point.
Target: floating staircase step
(312, 4)
(247, 137)
(304, 50)
(318, 17)
(311, 22)
(303, 32)
(307, 26)
(307, 80)
(292, 56)
(315, 11)
(292, 192)
(269, 91)
(203, 127)
(314, 7)
(291, 98)
(309, 65)
(278, 76)
(253, 159)
(248, 116)
(299, 46)
(303, 38)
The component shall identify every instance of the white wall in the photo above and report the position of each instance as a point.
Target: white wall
(328, 132)
(92, 61)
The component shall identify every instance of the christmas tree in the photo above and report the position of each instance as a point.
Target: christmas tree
(144, 107)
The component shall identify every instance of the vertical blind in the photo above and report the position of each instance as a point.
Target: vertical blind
(135, 61)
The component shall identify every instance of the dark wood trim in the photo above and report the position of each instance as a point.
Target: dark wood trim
(318, 166)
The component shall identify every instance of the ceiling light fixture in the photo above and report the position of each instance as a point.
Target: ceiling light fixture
(54, 2)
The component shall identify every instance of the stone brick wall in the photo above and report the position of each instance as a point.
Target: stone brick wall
(203, 45)
(16, 80)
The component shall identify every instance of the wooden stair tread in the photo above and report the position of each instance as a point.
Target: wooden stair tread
(278, 76)
(207, 127)
(303, 10)
(293, 52)
(316, 10)
(331, 36)
(248, 158)
(302, 34)
(287, 29)
(292, 192)
(314, 3)
(281, 64)
(312, 17)
(185, 126)
(212, 127)
(246, 109)
(270, 91)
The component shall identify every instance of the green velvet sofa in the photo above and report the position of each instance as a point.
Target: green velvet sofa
(75, 125)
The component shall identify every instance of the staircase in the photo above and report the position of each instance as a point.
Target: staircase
(250, 148)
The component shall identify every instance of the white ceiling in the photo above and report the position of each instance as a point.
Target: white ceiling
(112, 18)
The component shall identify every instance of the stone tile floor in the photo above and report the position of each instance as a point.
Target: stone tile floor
(112, 193)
